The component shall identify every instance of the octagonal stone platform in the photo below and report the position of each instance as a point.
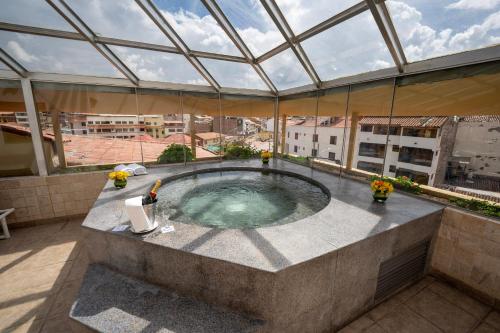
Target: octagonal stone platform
(315, 274)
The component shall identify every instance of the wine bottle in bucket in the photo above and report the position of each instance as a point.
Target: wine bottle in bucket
(152, 196)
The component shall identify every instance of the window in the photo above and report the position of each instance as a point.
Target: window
(418, 177)
(296, 136)
(91, 130)
(288, 134)
(130, 122)
(382, 129)
(314, 152)
(84, 132)
(370, 167)
(333, 140)
(418, 156)
(90, 122)
(315, 138)
(366, 128)
(84, 124)
(331, 156)
(295, 149)
(371, 150)
(171, 130)
(118, 122)
(395, 148)
(392, 168)
(420, 132)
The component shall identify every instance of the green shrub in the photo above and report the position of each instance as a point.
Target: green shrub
(175, 154)
(483, 207)
(240, 151)
(406, 184)
(296, 159)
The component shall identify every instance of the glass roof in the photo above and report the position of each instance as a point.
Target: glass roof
(253, 24)
(304, 14)
(194, 24)
(345, 50)
(285, 71)
(34, 13)
(55, 55)
(429, 29)
(425, 29)
(122, 19)
(2, 66)
(234, 74)
(159, 66)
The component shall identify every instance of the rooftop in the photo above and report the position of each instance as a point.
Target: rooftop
(405, 121)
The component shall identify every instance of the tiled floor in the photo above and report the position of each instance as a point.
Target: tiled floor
(428, 306)
(40, 273)
(41, 269)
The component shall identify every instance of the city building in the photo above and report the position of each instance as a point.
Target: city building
(209, 138)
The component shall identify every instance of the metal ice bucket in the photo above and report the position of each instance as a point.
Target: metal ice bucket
(150, 211)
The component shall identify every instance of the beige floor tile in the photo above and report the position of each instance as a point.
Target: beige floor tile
(458, 298)
(406, 321)
(375, 328)
(63, 324)
(443, 314)
(79, 266)
(384, 309)
(31, 326)
(64, 299)
(404, 295)
(485, 328)
(361, 323)
(493, 319)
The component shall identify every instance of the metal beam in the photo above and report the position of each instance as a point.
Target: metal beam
(228, 28)
(12, 64)
(280, 21)
(36, 133)
(157, 17)
(76, 22)
(113, 41)
(388, 33)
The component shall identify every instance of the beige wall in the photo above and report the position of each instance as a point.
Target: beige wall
(42, 199)
(467, 250)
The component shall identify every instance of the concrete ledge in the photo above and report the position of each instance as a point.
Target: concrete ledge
(111, 302)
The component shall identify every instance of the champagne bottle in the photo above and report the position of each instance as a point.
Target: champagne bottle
(151, 197)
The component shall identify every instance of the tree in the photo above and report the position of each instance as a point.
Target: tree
(175, 154)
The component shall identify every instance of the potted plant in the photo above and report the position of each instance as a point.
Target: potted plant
(381, 188)
(120, 178)
(265, 155)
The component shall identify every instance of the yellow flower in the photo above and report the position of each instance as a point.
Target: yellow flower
(118, 175)
(265, 154)
(112, 175)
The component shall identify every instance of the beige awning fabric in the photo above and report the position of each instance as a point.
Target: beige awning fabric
(477, 95)
(298, 107)
(372, 99)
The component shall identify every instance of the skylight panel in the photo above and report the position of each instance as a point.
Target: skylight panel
(430, 29)
(285, 71)
(233, 74)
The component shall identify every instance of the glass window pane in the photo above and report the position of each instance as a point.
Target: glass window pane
(234, 74)
(2, 66)
(55, 55)
(33, 13)
(347, 50)
(17, 156)
(433, 28)
(194, 24)
(159, 66)
(303, 14)
(285, 70)
(119, 19)
(253, 24)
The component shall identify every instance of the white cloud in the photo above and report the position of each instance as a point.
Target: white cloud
(474, 4)
(422, 41)
(19, 53)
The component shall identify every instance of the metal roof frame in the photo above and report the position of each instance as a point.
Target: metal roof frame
(377, 8)
(157, 17)
(83, 29)
(231, 32)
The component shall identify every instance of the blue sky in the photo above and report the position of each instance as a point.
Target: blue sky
(427, 28)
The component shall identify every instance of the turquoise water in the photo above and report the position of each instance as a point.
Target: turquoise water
(239, 199)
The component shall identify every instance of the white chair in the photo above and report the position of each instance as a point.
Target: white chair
(3, 220)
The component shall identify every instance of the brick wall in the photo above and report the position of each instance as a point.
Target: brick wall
(45, 199)
(467, 250)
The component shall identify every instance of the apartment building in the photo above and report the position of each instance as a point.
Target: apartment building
(418, 147)
(326, 142)
(115, 126)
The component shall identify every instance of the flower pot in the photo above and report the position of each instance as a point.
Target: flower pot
(120, 183)
(265, 160)
(380, 197)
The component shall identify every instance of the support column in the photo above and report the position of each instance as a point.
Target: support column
(192, 133)
(352, 140)
(56, 126)
(275, 127)
(283, 133)
(36, 133)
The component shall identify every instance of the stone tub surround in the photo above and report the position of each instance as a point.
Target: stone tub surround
(53, 198)
(467, 252)
(311, 275)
